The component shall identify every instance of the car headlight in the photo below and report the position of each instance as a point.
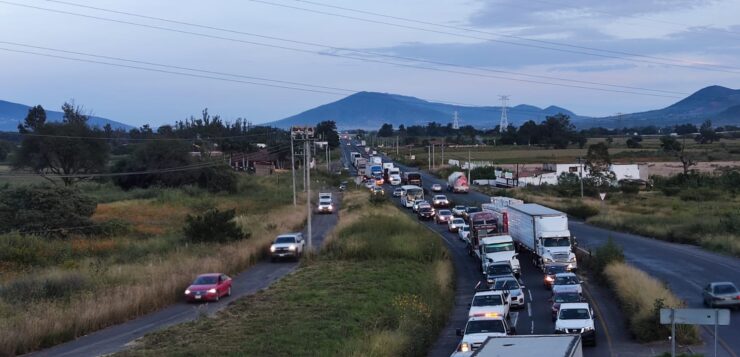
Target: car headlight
(573, 258)
(549, 278)
(292, 247)
(187, 291)
(272, 248)
(588, 328)
(547, 260)
(561, 329)
(464, 347)
(212, 291)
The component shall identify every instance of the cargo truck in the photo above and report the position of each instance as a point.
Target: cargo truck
(412, 178)
(360, 164)
(488, 245)
(524, 346)
(544, 232)
(457, 182)
(499, 206)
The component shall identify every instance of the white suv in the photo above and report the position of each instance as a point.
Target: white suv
(289, 245)
(576, 318)
(478, 329)
(566, 282)
(489, 303)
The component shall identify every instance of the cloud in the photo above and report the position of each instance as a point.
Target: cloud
(500, 13)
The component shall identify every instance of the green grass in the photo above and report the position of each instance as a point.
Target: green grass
(381, 287)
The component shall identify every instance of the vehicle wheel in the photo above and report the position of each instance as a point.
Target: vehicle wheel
(217, 298)
(508, 317)
(228, 292)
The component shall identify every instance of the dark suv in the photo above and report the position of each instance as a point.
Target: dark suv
(426, 213)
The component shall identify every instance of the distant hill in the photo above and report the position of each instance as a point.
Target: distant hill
(719, 104)
(11, 114)
(368, 110)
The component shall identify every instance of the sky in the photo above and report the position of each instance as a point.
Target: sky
(156, 62)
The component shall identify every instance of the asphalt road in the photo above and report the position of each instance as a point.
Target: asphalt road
(250, 281)
(684, 268)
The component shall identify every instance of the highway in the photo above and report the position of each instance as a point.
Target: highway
(684, 268)
(255, 278)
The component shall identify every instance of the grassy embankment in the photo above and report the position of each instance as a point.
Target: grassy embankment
(382, 286)
(709, 219)
(53, 290)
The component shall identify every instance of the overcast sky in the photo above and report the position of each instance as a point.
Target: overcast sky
(665, 48)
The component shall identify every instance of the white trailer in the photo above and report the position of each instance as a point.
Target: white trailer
(499, 206)
(528, 345)
(544, 232)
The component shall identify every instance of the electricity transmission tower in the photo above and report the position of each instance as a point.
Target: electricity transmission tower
(455, 121)
(504, 120)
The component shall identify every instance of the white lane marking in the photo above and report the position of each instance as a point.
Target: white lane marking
(529, 309)
(530, 294)
(531, 331)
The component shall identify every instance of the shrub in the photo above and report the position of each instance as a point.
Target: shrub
(44, 209)
(698, 194)
(606, 254)
(52, 287)
(213, 226)
(629, 188)
(581, 210)
(378, 199)
(31, 250)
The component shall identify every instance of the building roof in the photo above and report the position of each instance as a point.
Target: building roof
(261, 155)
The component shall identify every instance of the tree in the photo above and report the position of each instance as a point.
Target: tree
(509, 136)
(706, 133)
(634, 142)
(386, 130)
(328, 131)
(70, 149)
(557, 131)
(213, 226)
(6, 147)
(528, 134)
(684, 129)
(670, 145)
(597, 163)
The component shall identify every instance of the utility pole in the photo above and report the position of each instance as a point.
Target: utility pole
(396, 145)
(433, 162)
(292, 166)
(429, 156)
(327, 158)
(443, 155)
(308, 193)
(580, 174)
(470, 179)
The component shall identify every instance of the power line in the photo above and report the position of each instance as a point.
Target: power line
(690, 64)
(138, 139)
(360, 52)
(353, 50)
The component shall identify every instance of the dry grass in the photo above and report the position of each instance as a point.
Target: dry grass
(638, 293)
(145, 216)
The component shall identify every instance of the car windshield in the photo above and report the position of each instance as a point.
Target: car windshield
(485, 326)
(445, 212)
(506, 284)
(499, 269)
(488, 300)
(460, 208)
(499, 247)
(465, 228)
(425, 209)
(473, 209)
(458, 221)
(205, 280)
(556, 269)
(574, 314)
(284, 240)
(566, 297)
(556, 242)
(567, 280)
(725, 289)
(440, 197)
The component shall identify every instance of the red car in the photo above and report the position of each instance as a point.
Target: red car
(209, 287)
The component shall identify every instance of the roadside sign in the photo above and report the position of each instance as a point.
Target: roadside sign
(602, 195)
(695, 316)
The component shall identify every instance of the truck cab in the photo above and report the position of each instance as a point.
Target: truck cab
(576, 318)
(325, 203)
(289, 245)
(499, 248)
(480, 328)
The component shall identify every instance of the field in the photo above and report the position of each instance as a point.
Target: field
(53, 289)
(382, 286)
(725, 150)
(710, 220)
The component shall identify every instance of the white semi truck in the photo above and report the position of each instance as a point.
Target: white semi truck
(544, 232)
(488, 245)
(525, 346)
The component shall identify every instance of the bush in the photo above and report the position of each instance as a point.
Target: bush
(44, 209)
(581, 210)
(213, 226)
(53, 287)
(31, 251)
(606, 254)
(629, 188)
(378, 199)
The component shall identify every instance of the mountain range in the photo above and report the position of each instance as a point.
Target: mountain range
(11, 114)
(369, 110)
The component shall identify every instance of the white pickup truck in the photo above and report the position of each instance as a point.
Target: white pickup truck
(325, 203)
(289, 245)
(480, 328)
